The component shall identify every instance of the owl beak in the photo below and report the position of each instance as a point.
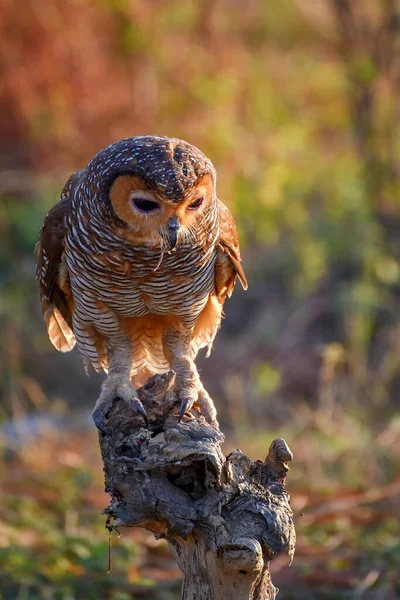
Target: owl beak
(172, 231)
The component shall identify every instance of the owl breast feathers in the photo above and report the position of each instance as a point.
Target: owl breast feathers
(136, 259)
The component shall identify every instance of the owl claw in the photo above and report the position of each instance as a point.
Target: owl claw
(116, 388)
(203, 404)
(186, 405)
(98, 419)
(138, 408)
(135, 405)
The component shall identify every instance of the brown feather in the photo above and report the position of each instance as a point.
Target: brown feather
(60, 333)
(207, 325)
(228, 264)
(55, 291)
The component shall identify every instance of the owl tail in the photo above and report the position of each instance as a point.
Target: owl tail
(60, 333)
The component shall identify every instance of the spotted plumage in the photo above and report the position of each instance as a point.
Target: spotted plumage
(135, 263)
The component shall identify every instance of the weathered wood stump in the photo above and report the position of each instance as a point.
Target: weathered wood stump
(224, 517)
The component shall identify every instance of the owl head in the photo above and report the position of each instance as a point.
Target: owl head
(156, 187)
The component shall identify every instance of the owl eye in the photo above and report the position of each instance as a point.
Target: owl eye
(145, 206)
(196, 204)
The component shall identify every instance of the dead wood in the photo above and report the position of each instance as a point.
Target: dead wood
(225, 518)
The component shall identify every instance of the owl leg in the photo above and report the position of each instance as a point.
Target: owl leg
(117, 385)
(177, 349)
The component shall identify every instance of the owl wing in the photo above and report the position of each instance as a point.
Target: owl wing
(52, 273)
(228, 264)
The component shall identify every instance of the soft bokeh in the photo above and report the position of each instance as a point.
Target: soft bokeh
(297, 103)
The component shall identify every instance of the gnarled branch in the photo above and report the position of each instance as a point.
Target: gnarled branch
(224, 517)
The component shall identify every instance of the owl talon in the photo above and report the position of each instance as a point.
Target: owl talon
(186, 405)
(98, 419)
(138, 408)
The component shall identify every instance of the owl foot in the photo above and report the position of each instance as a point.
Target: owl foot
(113, 389)
(203, 402)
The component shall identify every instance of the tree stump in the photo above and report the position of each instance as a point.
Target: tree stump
(225, 518)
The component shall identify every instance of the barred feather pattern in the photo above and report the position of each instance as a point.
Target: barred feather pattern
(128, 294)
(113, 281)
(105, 293)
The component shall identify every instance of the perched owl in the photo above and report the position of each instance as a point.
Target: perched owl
(134, 263)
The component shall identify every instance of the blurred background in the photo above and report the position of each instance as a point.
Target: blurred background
(297, 103)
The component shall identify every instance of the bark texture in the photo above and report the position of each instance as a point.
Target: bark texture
(226, 518)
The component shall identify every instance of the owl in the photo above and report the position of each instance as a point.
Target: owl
(134, 264)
